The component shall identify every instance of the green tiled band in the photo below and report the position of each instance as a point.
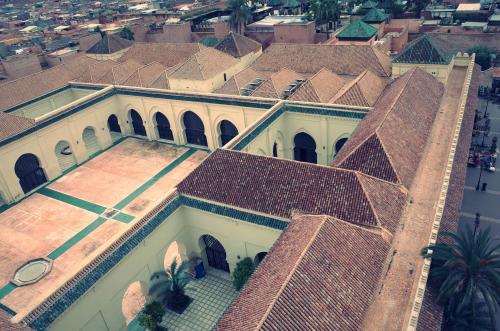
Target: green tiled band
(76, 238)
(9, 287)
(154, 179)
(77, 202)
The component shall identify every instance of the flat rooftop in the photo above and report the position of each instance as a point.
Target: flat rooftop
(45, 104)
(279, 19)
(79, 214)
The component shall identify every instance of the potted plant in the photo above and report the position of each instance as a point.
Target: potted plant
(151, 316)
(168, 286)
(244, 269)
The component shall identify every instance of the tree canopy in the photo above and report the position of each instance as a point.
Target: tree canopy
(466, 275)
(483, 55)
(240, 14)
(126, 33)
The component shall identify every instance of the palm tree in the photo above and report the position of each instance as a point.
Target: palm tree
(240, 14)
(466, 274)
(326, 11)
(168, 286)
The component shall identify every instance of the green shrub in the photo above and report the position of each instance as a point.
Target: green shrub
(244, 269)
(151, 316)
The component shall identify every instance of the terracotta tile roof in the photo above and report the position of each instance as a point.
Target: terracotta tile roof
(168, 54)
(387, 144)
(120, 72)
(88, 41)
(161, 82)
(462, 42)
(277, 83)
(12, 124)
(40, 83)
(319, 88)
(349, 60)
(204, 64)
(109, 44)
(145, 76)
(237, 45)
(238, 82)
(362, 91)
(324, 281)
(278, 187)
(96, 71)
(426, 49)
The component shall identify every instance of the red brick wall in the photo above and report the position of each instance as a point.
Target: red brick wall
(295, 33)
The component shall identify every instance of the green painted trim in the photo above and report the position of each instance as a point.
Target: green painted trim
(76, 238)
(154, 179)
(7, 310)
(77, 202)
(124, 218)
(9, 287)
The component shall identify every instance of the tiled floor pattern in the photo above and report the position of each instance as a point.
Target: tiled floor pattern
(211, 297)
(63, 233)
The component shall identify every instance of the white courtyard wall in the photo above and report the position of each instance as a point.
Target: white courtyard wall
(101, 307)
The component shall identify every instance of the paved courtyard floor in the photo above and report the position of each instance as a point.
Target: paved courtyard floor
(211, 296)
(68, 220)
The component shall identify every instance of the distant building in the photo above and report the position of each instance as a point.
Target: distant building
(110, 47)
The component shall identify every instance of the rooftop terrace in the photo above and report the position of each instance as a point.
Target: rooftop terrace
(76, 216)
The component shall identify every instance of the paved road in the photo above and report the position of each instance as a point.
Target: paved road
(486, 203)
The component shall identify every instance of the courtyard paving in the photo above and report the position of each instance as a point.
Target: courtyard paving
(211, 296)
(67, 219)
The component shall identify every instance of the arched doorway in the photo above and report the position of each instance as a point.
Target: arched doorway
(275, 149)
(259, 257)
(64, 155)
(29, 172)
(137, 124)
(305, 148)
(339, 144)
(114, 127)
(215, 252)
(194, 128)
(227, 131)
(134, 300)
(163, 127)
(90, 141)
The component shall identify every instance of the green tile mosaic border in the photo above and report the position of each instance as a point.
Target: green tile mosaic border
(154, 179)
(76, 238)
(74, 201)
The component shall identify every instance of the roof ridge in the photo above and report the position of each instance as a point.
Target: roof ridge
(361, 183)
(381, 123)
(291, 273)
(347, 86)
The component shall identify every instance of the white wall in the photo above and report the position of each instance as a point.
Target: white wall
(325, 130)
(101, 307)
(42, 143)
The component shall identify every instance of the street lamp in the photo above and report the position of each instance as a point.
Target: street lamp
(476, 223)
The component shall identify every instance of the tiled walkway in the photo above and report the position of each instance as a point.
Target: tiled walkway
(211, 296)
